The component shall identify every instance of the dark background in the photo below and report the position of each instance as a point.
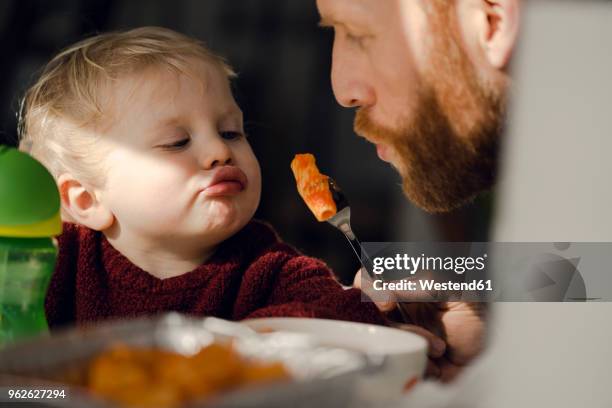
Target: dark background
(283, 87)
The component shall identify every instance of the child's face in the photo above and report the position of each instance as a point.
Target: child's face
(178, 163)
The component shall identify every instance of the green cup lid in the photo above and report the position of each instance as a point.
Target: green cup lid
(29, 199)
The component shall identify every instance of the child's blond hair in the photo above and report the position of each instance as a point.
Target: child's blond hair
(67, 97)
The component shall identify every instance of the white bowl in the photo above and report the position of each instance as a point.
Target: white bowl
(405, 353)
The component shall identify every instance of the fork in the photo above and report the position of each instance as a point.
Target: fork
(342, 221)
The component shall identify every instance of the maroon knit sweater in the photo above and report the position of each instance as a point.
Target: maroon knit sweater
(252, 274)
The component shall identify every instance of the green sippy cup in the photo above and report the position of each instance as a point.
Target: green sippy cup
(29, 218)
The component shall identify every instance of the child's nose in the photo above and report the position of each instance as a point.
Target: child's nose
(216, 163)
(216, 154)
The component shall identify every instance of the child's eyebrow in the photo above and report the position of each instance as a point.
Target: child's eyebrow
(167, 121)
(232, 113)
(176, 120)
(160, 126)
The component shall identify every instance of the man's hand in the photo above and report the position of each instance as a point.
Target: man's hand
(457, 341)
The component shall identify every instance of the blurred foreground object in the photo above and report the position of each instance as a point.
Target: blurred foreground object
(555, 187)
(137, 376)
(29, 217)
(166, 360)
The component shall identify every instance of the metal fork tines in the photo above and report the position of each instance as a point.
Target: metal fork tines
(342, 221)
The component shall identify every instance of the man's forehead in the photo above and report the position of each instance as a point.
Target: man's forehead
(335, 12)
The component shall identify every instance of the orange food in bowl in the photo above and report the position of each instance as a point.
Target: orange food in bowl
(147, 377)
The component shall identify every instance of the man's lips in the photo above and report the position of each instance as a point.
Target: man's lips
(383, 153)
(227, 180)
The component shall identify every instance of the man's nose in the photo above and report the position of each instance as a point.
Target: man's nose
(216, 153)
(351, 88)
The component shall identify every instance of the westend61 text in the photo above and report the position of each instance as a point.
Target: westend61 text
(430, 284)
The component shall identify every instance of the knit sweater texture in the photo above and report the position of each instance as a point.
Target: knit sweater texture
(252, 274)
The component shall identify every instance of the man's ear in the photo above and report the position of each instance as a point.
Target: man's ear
(499, 31)
(82, 204)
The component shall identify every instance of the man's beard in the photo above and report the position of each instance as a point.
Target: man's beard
(448, 151)
(440, 169)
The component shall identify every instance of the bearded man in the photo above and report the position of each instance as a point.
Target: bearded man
(429, 82)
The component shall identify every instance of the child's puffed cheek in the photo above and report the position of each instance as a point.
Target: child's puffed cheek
(257, 174)
(251, 166)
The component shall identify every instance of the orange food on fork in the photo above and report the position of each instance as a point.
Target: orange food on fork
(313, 186)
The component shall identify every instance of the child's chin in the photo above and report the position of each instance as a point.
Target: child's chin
(229, 211)
(223, 217)
(226, 223)
(224, 213)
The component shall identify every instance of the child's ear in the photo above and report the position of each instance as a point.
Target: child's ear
(82, 204)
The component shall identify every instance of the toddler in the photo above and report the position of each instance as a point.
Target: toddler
(158, 187)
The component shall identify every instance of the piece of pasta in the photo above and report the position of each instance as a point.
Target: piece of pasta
(313, 186)
(134, 376)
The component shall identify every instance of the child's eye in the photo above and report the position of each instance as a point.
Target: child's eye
(179, 144)
(231, 135)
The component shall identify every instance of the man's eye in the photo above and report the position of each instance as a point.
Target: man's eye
(179, 144)
(356, 39)
(231, 135)
(352, 37)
